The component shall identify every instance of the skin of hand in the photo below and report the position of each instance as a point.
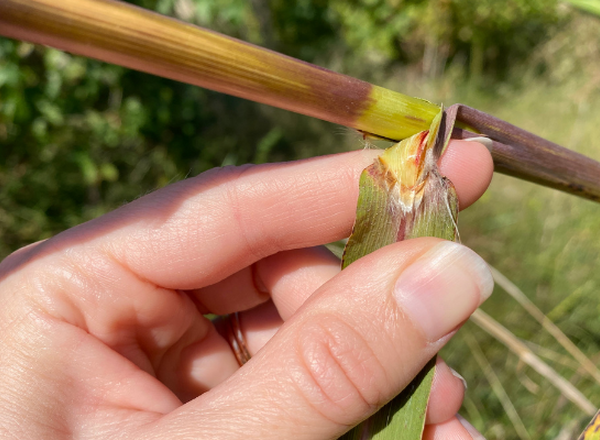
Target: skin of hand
(103, 333)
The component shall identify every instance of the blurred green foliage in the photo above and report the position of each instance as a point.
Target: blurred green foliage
(79, 138)
(548, 244)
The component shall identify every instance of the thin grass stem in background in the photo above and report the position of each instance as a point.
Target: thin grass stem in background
(514, 344)
(551, 355)
(497, 387)
(510, 288)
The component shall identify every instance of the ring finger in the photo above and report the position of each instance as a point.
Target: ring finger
(269, 290)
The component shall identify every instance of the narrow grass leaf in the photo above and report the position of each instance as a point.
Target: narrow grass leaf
(510, 288)
(497, 386)
(591, 6)
(506, 337)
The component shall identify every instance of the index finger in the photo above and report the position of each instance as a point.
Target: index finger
(201, 230)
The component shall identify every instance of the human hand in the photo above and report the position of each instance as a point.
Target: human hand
(103, 333)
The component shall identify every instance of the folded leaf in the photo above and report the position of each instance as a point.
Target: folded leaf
(592, 431)
(402, 195)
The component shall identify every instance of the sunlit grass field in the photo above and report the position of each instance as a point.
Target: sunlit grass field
(545, 242)
(548, 244)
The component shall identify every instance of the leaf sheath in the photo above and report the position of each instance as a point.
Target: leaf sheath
(401, 196)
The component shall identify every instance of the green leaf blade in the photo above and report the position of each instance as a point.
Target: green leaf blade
(438, 213)
(374, 227)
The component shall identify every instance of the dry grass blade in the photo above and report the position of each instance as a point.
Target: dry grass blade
(551, 355)
(502, 334)
(510, 288)
(496, 385)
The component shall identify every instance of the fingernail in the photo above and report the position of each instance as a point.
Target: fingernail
(443, 287)
(459, 377)
(470, 428)
(485, 141)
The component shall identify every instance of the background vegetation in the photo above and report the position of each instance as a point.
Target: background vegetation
(79, 138)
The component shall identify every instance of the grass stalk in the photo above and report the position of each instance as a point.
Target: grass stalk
(510, 288)
(139, 39)
(514, 344)
(497, 387)
(143, 40)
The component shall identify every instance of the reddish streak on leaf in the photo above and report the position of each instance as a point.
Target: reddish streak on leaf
(422, 139)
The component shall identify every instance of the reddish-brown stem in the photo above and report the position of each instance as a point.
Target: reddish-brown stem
(521, 154)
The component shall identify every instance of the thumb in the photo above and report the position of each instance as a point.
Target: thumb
(354, 345)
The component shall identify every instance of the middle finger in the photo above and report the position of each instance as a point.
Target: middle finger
(288, 278)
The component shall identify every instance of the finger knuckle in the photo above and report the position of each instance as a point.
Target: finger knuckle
(342, 378)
